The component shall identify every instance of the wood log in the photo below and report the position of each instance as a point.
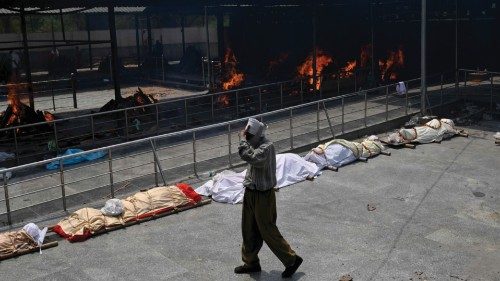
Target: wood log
(409, 145)
(363, 159)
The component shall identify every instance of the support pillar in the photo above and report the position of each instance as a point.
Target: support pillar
(114, 52)
(27, 62)
(150, 36)
(137, 40)
(62, 25)
(314, 54)
(220, 34)
(87, 24)
(183, 23)
(209, 70)
(423, 81)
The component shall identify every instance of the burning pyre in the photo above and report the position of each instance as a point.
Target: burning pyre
(18, 113)
(305, 70)
(137, 99)
(232, 76)
(389, 68)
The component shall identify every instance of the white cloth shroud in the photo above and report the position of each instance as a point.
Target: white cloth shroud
(335, 155)
(227, 186)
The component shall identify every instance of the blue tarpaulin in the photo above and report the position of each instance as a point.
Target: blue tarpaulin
(77, 159)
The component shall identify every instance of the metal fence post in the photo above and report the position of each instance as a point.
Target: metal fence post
(338, 83)
(355, 82)
(157, 163)
(386, 103)
(16, 146)
(52, 93)
(317, 123)
(366, 106)
(441, 89)
(260, 100)
(55, 135)
(301, 90)
(237, 103)
(7, 198)
(92, 129)
(110, 164)
(63, 189)
(465, 86)
(186, 112)
(73, 86)
(291, 129)
(229, 142)
(343, 105)
(162, 68)
(406, 101)
(491, 92)
(212, 107)
(195, 169)
(126, 124)
(320, 87)
(281, 95)
(157, 120)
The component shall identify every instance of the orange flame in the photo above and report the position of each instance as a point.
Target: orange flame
(348, 70)
(234, 78)
(306, 68)
(389, 67)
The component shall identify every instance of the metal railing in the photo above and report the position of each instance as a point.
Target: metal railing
(479, 84)
(178, 155)
(47, 93)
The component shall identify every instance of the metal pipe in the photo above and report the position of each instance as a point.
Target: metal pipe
(73, 87)
(343, 115)
(126, 124)
(53, 96)
(114, 52)
(162, 68)
(406, 101)
(317, 123)
(26, 58)
(260, 100)
(157, 120)
(237, 104)
(16, 146)
(441, 90)
(212, 108)
(291, 129)
(195, 169)
(208, 49)
(110, 165)
(229, 145)
(301, 90)
(7, 198)
(456, 44)
(315, 52)
(55, 136)
(423, 58)
(328, 119)
(92, 128)
(63, 189)
(386, 103)
(366, 107)
(150, 36)
(186, 112)
(183, 19)
(137, 40)
(157, 160)
(281, 95)
(491, 93)
(62, 24)
(87, 25)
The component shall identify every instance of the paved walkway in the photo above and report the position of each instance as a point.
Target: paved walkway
(436, 218)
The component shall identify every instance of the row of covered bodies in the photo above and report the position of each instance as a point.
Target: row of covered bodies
(227, 186)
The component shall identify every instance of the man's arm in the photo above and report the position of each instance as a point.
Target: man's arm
(254, 156)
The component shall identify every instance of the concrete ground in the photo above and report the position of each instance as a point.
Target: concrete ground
(436, 217)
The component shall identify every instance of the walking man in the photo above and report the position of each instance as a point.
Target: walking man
(259, 203)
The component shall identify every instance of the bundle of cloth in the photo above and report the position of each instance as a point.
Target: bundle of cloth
(30, 237)
(227, 186)
(85, 222)
(340, 152)
(433, 131)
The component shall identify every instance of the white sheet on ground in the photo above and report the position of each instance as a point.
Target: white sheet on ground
(335, 155)
(227, 186)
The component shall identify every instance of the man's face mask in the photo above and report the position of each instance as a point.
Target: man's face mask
(252, 139)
